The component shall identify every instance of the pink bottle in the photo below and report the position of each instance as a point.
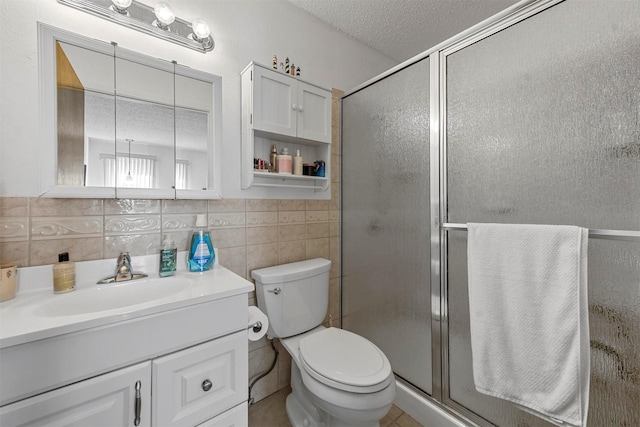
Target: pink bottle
(284, 162)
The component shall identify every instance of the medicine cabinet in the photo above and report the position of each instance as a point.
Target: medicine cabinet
(282, 110)
(120, 124)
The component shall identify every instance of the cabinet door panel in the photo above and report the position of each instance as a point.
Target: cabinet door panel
(314, 116)
(104, 401)
(195, 384)
(274, 97)
(235, 417)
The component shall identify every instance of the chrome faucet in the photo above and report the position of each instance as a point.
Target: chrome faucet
(124, 271)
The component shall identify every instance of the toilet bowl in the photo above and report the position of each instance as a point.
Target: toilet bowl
(338, 378)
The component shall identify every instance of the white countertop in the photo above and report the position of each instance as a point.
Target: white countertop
(21, 319)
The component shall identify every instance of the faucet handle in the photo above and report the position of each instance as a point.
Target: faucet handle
(124, 258)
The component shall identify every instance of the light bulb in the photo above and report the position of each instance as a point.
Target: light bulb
(121, 5)
(201, 30)
(164, 15)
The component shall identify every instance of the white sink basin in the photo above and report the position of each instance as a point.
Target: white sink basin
(114, 296)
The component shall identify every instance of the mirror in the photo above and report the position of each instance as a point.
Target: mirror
(121, 124)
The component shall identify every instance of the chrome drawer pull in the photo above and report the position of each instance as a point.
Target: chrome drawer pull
(206, 385)
(138, 404)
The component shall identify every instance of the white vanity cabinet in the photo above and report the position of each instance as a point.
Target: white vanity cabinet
(282, 110)
(184, 366)
(184, 388)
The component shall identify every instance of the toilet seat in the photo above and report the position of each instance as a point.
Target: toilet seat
(345, 361)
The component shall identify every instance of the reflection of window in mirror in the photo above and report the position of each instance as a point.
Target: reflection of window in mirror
(135, 171)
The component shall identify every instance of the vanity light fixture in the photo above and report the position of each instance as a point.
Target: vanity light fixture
(159, 21)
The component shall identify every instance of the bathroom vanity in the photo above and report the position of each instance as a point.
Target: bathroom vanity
(153, 352)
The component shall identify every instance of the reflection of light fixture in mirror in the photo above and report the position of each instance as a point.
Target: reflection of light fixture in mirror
(129, 178)
(120, 6)
(159, 21)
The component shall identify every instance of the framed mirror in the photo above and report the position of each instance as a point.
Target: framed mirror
(119, 124)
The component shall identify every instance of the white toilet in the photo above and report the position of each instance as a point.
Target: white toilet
(338, 378)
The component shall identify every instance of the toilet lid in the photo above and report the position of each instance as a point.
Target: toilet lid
(345, 360)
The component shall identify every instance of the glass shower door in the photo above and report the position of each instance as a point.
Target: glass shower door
(386, 220)
(542, 127)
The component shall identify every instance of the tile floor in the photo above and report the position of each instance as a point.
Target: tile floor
(270, 412)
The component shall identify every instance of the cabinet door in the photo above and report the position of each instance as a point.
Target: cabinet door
(314, 113)
(198, 383)
(274, 102)
(108, 400)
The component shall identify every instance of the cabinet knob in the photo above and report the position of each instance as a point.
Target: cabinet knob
(206, 385)
(300, 108)
(294, 107)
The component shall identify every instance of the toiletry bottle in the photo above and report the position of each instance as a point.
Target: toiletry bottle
(201, 255)
(168, 257)
(297, 163)
(284, 162)
(64, 274)
(273, 159)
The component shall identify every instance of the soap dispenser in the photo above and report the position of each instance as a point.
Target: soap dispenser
(201, 254)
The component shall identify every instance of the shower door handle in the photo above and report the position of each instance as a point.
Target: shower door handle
(275, 291)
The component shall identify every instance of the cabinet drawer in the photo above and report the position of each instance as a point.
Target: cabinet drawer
(234, 417)
(198, 383)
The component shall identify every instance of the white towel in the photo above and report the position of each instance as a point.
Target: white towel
(529, 317)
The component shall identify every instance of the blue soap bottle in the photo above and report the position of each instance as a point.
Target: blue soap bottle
(201, 254)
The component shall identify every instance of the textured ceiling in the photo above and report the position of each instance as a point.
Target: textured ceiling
(401, 29)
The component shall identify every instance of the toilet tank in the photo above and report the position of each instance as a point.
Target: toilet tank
(294, 296)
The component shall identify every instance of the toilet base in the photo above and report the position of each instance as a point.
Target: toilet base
(304, 412)
(298, 416)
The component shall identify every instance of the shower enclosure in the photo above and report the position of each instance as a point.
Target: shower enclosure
(533, 117)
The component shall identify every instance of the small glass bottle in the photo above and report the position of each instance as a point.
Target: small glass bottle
(273, 159)
(64, 274)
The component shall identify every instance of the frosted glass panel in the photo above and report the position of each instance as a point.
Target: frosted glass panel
(543, 120)
(614, 316)
(542, 127)
(385, 223)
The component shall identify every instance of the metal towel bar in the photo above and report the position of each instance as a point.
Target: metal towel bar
(593, 233)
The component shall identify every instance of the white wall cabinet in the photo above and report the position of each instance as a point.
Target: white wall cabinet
(282, 110)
